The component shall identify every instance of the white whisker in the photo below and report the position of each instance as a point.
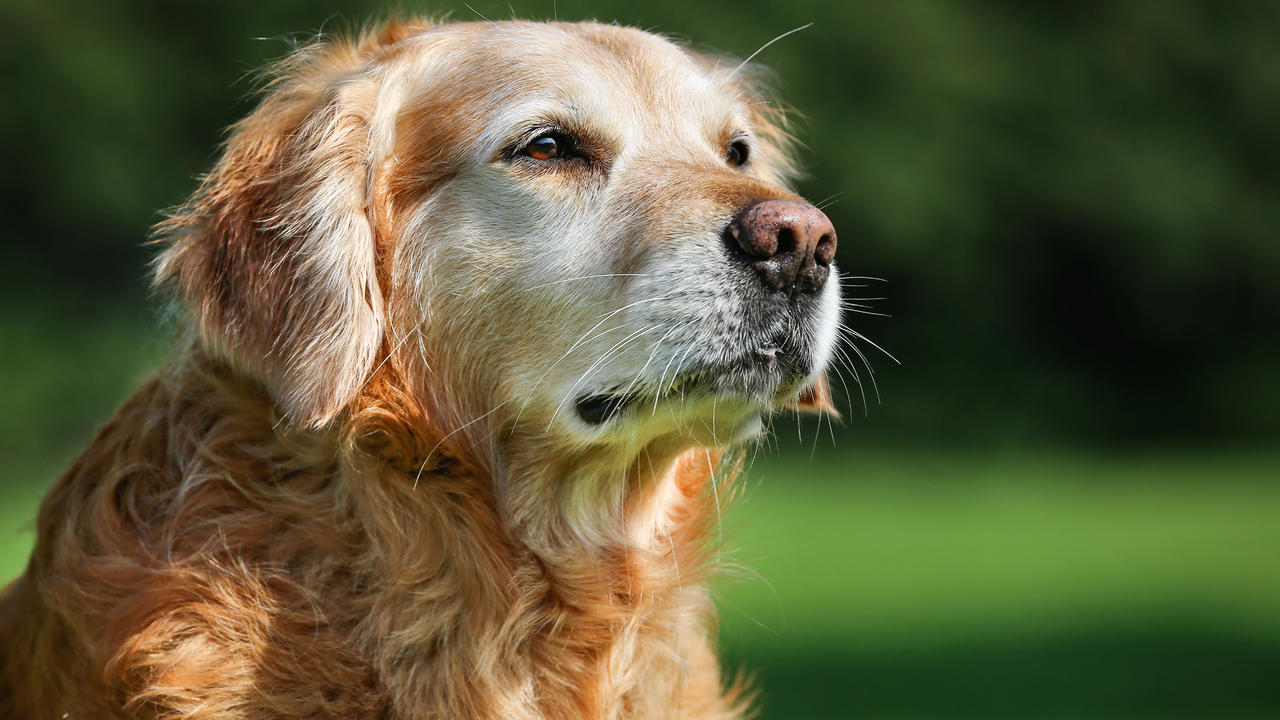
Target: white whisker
(652, 353)
(715, 493)
(872, 343)
(455, 431)
(871, 373)
(580, 341)
(585, 277)
(529, 395)
(477, 12)
(397, 347)
(608, 355)
(762, 47)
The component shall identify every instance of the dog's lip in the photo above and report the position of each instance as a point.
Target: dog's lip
(598, 408)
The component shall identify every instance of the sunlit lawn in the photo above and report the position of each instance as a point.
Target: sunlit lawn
(1035, 586)
(893, 584)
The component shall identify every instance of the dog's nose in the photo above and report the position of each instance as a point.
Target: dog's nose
(790, 244)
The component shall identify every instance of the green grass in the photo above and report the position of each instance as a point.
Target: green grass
(1033, 586)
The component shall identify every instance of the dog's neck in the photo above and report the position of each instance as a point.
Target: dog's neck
(551, 494)
(590, 502)
(587, 524)
(575, 556)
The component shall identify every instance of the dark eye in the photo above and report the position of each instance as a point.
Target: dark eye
(738, 153)
(548, 146)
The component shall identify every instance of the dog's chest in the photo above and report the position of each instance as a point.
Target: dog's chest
(545, 659)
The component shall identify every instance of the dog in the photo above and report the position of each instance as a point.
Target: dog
(471, 312)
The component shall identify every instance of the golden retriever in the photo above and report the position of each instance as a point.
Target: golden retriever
(471, 309)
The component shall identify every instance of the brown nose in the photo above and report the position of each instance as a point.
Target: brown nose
(790, 244)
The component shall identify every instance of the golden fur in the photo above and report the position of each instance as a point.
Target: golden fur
(353, 492)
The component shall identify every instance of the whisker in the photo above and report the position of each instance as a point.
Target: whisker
(579, 342)
(755, 451)
(848, 401)
(816, 435)
(873, 344)
(393, 350)
(715, 400)
(843, 357)
(858, 309)
(871, 373)
(529, 396)
(715, 493)
(662, 381)
(477, 12)
(831, 430)
(457, 430)
(675, 561)
(586, 277)
(652, 353)
(828, 201)
(762, 47)
(680, 368)
(608, 355)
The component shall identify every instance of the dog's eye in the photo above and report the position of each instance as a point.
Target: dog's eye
(737, 153)
(548, 146)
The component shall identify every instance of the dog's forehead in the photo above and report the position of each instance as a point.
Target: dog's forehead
(622, 75)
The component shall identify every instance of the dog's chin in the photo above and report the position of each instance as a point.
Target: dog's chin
(700, 417)
(713, 404)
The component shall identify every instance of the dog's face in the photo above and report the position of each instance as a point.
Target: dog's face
(582, 231)
(580, 255)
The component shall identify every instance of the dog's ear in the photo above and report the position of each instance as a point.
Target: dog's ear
(817, 398)
(274, 255)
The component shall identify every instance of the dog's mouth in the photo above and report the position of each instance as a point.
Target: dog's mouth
(758, 373)
(599, 409)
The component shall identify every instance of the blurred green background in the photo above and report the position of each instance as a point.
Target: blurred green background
(1066, 503)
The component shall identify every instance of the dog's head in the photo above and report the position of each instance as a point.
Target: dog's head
(578, 231)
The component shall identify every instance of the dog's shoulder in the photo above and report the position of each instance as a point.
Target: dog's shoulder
(181, 560)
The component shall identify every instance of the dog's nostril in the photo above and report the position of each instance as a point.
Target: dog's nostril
(786, 240)
(825, 252)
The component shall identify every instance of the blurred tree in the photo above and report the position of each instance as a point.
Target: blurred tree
(1074, 205)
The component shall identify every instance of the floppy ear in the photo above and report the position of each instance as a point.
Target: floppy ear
(817, 398)
(274, 255)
